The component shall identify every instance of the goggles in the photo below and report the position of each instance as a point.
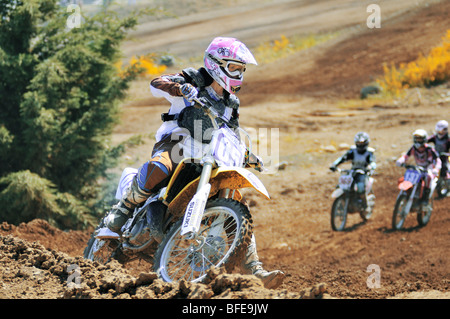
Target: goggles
(419, 139)
(234, 69)
(442, 131)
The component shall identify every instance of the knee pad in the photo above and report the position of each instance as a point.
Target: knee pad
(150, 174)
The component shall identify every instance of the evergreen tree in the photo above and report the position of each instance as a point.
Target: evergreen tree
(59, 94)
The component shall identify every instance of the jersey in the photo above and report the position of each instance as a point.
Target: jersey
(168, 87)
(441, 145)
(365, 160)
(425, 158)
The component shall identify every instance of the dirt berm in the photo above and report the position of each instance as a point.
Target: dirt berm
(29, 270)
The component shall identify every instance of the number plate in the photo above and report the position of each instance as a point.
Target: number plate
(227, 149)
(412, 176)
(345, 181)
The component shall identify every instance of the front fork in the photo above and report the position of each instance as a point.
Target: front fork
(206, 173)
(410, 200)
(195, 208)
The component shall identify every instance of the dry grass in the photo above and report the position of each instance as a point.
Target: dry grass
(271, 51)
(425, 71)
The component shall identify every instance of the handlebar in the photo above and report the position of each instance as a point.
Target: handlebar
(414, 167)
(358, 170)
(211, 112)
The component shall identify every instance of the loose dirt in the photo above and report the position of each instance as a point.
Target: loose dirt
(311, 98)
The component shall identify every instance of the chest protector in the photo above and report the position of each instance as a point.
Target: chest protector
(194, 119)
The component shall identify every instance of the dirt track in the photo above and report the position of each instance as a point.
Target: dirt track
(303, 96)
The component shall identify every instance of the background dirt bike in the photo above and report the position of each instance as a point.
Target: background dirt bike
(347, 200)
(409, 199)
(443, 183)
(198, 220)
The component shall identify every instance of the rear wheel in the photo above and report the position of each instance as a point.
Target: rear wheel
(424, 214)
(99, 250)
(339, 213)
(224, 235)
(442, 188)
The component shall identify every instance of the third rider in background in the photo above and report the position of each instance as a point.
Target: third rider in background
(362, 157)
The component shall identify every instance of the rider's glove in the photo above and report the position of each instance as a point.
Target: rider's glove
(254, 161)
(260, 164)
(400, 161)
(433, 170)
(189, 92)
(333, 168)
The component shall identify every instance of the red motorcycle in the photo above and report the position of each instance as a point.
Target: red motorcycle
(411, 187)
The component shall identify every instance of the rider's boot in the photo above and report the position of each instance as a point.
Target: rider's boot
(426, 197)
(252, 265)
(121, 212)
(370, 200)
(148, 178)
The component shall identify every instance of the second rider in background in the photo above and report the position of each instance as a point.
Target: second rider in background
(362, 157)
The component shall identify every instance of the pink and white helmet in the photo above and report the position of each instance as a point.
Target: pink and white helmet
(220, 54)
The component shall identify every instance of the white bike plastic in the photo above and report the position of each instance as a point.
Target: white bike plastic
(125, 181)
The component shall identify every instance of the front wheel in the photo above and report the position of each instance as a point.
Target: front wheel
(339, 213)
(400, 213)
(224, 235)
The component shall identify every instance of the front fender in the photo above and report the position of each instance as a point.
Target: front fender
(221, 178)
(337, 192)
(238, 177)
(405, 185)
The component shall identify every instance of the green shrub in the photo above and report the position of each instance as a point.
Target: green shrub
(59, 102)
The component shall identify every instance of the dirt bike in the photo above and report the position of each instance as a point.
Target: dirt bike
(198, 220)
(411, 187)
(347, 200)
(443, 182)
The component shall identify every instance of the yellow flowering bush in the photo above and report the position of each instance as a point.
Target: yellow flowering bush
(424, 71)
(146, 64)
(271, 51)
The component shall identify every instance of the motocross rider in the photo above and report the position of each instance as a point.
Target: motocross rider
(225, 62)
(362, 157)
(441, 141)
(426, 157)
